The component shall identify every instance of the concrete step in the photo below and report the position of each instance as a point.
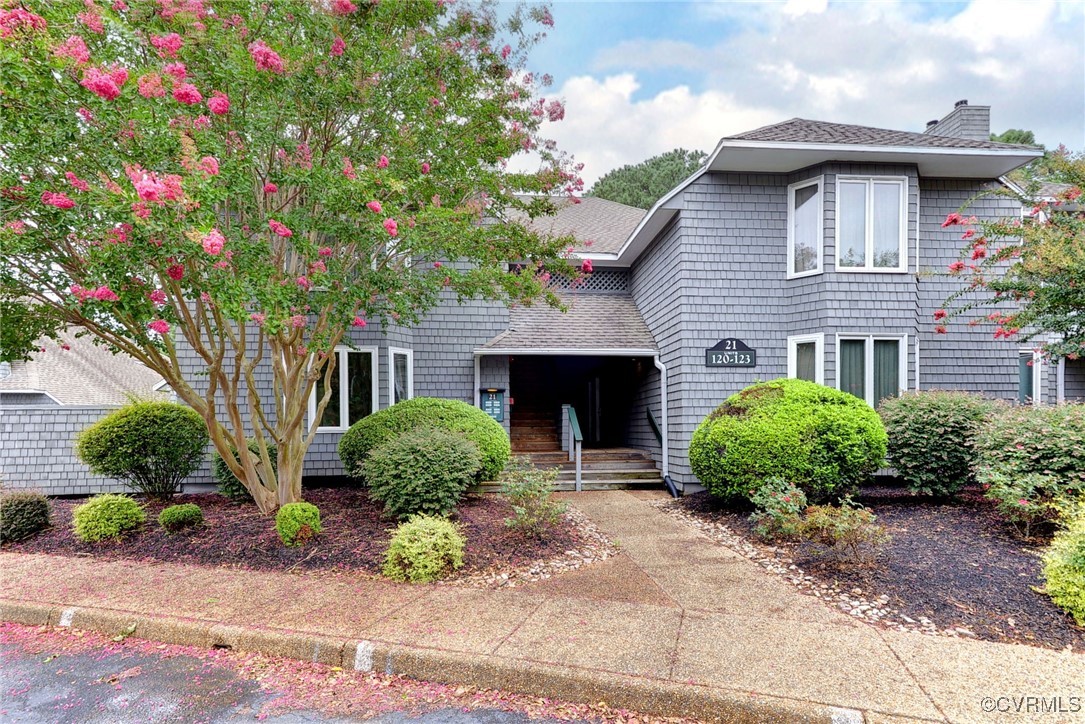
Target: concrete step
(534, 446)
(558, 457)
(569, 485)
(630, 475)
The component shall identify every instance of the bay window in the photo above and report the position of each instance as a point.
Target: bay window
(871, 223)
(806, 357)
(805, 223)
(871, 367)
(400, 375)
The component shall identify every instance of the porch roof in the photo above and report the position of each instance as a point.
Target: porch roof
(594, 324)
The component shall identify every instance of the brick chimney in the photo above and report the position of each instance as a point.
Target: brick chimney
(964, 121)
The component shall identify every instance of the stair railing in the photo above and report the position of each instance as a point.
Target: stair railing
(578, 440)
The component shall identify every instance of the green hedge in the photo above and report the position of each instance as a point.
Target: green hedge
(22, 514)
(107, 516)
(297, 523)
(1064, 568)
(178, 517)
(932, 436)
(428, 412)
(824, 441)
(422, 471)
(152, 446)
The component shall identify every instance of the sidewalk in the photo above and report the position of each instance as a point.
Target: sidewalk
(675, 625)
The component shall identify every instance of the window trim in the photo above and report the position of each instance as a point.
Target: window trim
(791, 189)
(868, 361)
(793, 343)
(1037, 375)
(902, 255)
(392, 352)
(341, 369)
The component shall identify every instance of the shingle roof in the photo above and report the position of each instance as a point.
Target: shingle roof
(85, 374)
(593, 321)
(605, 224)
(801, 130)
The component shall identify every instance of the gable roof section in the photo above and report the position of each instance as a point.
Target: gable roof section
(594, 323)
(86, 374)
(599, 225)
(801, 130)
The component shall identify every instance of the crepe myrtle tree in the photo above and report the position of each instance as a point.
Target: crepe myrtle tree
(252, 179)
(1031, 270)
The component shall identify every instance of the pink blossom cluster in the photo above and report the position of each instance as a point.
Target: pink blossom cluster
(167, 45)
(150, 188)
(177, 71)
(104, 84)
(348, 169)
(160, 326)
(19, 19)
(213, 242)
(219, 103)
(92, 20)
(343, 7)
(374, 206)
(150, 86)
(391, 227)
(186, 93)
(270, 188)
(59, 200)
(75, 49)
(16, 227)
(176, 272)
(266, 58)
(157, 296)
(279, 228)
(209, 165)
(77, 183)
(338, 46)
(102, 293)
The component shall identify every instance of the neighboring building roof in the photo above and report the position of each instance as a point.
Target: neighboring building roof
(601, 226)
(801, 130)
(604, 322)
(85, 374)
(1049, 190)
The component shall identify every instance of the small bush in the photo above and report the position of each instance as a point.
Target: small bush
(1064, 568)
(423, 549)
(932, 438)
(779, 508)
(422, 471)
(151, 446)
(530, 493)
(1029, 461)
(178, 517)
(849, 531)
(22, 514)
(228, 484)
(297, 523)
(107, 516)
(824, 441)
(429, 412)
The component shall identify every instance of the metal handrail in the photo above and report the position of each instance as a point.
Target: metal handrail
(578, 440)
(654, 425)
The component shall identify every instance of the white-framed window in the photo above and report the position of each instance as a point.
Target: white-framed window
(1029, 377)
(871, 223)
(354, 389)
(805, 228)
(400, 375)
(806, 357)
(872, 367)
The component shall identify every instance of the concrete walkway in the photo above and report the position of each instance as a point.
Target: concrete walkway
(675, 625)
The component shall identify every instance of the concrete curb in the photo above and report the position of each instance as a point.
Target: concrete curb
(651, 696)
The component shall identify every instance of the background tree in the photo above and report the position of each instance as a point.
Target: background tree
(1015, 135)
(1031, 271)
(643, 184)
(253, 178)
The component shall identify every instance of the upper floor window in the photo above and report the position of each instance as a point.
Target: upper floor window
(871, 223)
(804, 228)
(353, 389)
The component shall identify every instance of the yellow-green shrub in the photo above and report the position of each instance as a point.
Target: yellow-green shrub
(107, 516)
(425, 548)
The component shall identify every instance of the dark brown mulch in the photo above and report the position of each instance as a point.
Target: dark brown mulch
(956, 563)
(355, 536)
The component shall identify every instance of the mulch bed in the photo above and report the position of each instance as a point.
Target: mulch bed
(354, 538)
(956, 563)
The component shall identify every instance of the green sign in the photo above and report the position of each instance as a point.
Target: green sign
(493, 403)
(730, 352)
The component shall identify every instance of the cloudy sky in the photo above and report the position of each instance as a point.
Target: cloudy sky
(640, 78)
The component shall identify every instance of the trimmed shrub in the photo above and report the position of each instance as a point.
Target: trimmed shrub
(151, 446)
(529, 491)
(428, 412)
(228, 484)
(932, 438)
(422, 471)
(779, 508)
(178, 517)
(297, 523)
(823, 441)
(22, 514)
(1029, 460)
(848, 530)
(107, 516)
(1064, 568)
(423, 549)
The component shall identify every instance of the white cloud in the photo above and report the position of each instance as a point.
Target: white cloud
(794, 8)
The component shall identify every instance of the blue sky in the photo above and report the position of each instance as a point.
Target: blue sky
(640, 78)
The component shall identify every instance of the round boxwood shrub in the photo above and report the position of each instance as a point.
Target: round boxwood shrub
(430, 412)
(422, 471)
(1064, 568)
(22, 514)
(425, 548)
(178, 517)
(228, 484)
(822, 440)
(107, 516)
(152, 446)
(297, 523)
(932, 436)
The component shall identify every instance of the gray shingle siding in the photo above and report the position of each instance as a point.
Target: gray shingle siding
(1074, 381)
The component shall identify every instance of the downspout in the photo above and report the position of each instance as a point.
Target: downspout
(665, 445)
(478, 380)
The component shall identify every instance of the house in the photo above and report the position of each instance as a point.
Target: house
(70, 384)
(804, 249)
